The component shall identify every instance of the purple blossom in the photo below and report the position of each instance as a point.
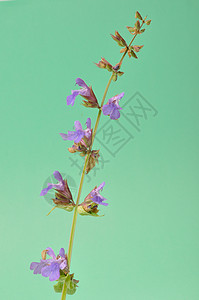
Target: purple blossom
(51, 267)
(112, 107)
(85, 91)
(95, 195)
(79, 133)
(59, 186)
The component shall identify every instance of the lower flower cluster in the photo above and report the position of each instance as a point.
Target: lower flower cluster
(57, 269)
(51, 267)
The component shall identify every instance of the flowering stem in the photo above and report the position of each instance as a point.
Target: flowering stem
(64, 290)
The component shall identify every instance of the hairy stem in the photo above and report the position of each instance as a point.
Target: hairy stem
(64, 291)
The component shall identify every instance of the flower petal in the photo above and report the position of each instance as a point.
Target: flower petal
(51, 253)
(98, 199)
(100, 187)
(81, 82)
(71, 135)
(62, 252)
(88, 123)
(39, 267)
(117, 97)
(79, 135)
(78, 125)
(107, 109)
(55, 272)
(45, 191)
(58, 176)
(71, 98)
(33, 265)
(45, 272)
(64, 136)
(115, 114)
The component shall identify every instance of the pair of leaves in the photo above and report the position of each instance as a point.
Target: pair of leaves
(71, 284)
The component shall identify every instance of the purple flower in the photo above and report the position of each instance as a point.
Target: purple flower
(59, 186)
(63, 197)
(95, 195)
(112, 107)
(89, 206)
(85, 91)
(79, 133)
(51, 267)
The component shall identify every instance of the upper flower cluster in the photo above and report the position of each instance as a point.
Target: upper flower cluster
(111, 109)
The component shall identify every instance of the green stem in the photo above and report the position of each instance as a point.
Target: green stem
(75, 212)
(70, 248)
(64, 292)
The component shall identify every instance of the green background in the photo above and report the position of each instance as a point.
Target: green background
(146, 247)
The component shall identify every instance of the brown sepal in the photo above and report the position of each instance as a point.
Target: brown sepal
(93, 159)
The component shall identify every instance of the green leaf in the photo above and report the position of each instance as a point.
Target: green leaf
(133, 54)
(58, 287)
(71, 284)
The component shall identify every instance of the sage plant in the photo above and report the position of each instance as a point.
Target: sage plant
(58, 267)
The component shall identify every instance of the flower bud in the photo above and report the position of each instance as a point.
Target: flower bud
(138, 15)
(137, 25)
(131, 29)
(137, 48)
(104, 64)
(115, 77)
(133, 54)
(119, 39)
(72, 149)
(101, 65)
(116, 67)
(90, 100)
(120, 73)
(148, 22)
